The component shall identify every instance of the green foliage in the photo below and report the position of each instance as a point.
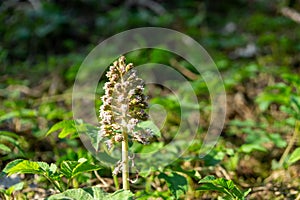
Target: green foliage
(256, 136)
(5, 148)
(68, 169)
(214, 157)
(72, 129)
(25, 167)
(226, 187)
(67, 126)
(285, 93)
(295, 156)
(91, 194)
(23, 113)
(8, 192)
(177, 183)
(9, 142)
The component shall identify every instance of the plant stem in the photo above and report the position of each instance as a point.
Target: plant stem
(125, 162)
(55, 183)
(296, 134)
(116, 182)
(148, 183)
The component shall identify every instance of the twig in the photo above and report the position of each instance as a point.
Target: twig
(100, 179)
(183, 70)
(259, 189)
(290, 13)
(291, 143)
(224, 172)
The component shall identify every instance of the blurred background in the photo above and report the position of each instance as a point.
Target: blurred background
(35, 32)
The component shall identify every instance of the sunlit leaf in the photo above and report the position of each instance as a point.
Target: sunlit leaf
(5, 148)
(121, 194)
(23, 167)
(74, 194)
(72, 168)
(16, 187)
(23, 113)
(295, 156)
(248, 148)
(92, 194)
(278, 140)
(210, 183)
(67, 127)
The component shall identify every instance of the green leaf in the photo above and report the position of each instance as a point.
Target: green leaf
(22, 166)
(11, 165)
(5, 148)
(246, 192)
(16, 187)
(191, 173)
(92, 193)
(212, 187)
(8, 138)
(74, 194)
(278, 93)
(67, 126)
(121, 194)
(30, 167)
(248, 148)
(96, 193)
(176, 183)
(66, 167)
(84, 167)
(23, 113)
(214, 157)
(207, 179)
(277, 139)
(10, 134)
(144, 149)
(295, 156)
(52, 168)
(210, 183)
(228, 184)
(296, 100)
(90, 131)
(9, 115)
(72, 168)
(82, 160)
(43, 166)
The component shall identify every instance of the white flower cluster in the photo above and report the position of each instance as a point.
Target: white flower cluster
(123, 105)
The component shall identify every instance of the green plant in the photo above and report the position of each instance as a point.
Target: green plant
(226, 187)
(286, 94)
(177, 183)
(92, 194)
(68, 169)
(11, 145)
(7, 194)
(256, 136)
